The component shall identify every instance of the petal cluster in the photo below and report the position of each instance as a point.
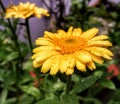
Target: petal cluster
(25, 10)
(67, 51)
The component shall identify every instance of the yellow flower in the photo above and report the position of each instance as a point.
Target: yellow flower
(25, 10)
(63, 51)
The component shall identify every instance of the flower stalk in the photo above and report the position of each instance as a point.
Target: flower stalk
(28, 33)
(13, 31)
(68, 84)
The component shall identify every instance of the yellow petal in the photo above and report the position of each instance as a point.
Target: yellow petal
(47, 65)
(70, 61)
(99, 43)
(96, 51)
(89, 33)
(80, 66)
(69, 33)
(37, 64)
(91, 65)
(35, 55)
(62, 33)
(45, 55)
(43, 41)
(106, 56)
(55, 66)
(63, 64)
(69, 71)
(97, 59)
(43, 48)
(105, 51)
(49, 35)
(99, 51)
(83, 56)
(77, 32)
(100, 37)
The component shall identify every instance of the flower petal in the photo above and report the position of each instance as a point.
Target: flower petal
(89, 33)
(83, 56)
(63, 64)
(70, 61)
(77, 32)
(91, 65)
(55, 66)
(99, 43)
(43, 41)
(47, 65)
(69, 33)
(35, 55)
(37, 64)
(69, 71)
(45, 55)
(62, 33)
(100, 37)
(97, 59)
(80, 66)
(43, 48)
(49, 35)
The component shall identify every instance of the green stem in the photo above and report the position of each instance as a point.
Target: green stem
(28, 33)
(68, 84)
(18, 65)
(14, 35)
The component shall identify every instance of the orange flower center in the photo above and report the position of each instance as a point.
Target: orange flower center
(70, 45)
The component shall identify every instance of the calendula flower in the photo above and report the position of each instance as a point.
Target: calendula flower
(63, 51)
(25, 10)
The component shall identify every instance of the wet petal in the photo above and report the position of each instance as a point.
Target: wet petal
(99, 43)
(44, 55)
(77, 32)
(89, 33)
(100, 37)
(70, 61)
(43, 48)
(47, 65)
(63, 64)
(55, 66)
(49, 35)
(37, 64)
(44, 41)
(69, 71)
(83, 56)
(69, 33)
(80, 66)
(97, 59)
(91, 65)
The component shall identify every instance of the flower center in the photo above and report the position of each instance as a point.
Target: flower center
(70, 45)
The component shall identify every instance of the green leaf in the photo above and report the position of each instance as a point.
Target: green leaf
(11, 100)
(28, 65)
(50, 98)
(84, 83)
(3, 96)
(58, 86)
(75, 78)
(69, 99)
(108, 84)
(31, 90)
(8, 77)
(115, 99)
(25, 78)
(26, 99)
(54, 101)
(10, 57)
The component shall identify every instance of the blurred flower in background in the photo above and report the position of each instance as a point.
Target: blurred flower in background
(25, 10)
(112, 68)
